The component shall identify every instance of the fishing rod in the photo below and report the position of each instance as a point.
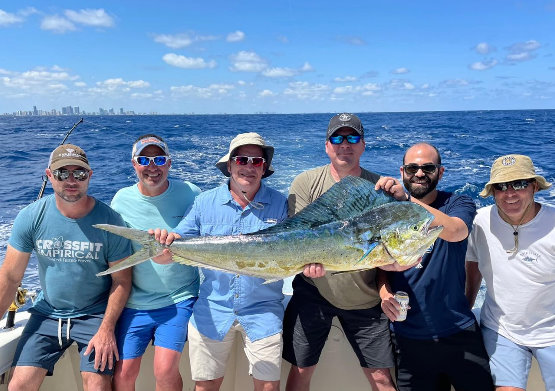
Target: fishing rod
(44, 178)
(22, 294)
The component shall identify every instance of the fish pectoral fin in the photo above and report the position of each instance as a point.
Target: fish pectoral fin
(139, 257)
(372, 246)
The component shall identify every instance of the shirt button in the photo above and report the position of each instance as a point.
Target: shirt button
(236, 295)
(237, 275)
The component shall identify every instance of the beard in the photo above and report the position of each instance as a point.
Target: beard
(421, 189)
(70, 197)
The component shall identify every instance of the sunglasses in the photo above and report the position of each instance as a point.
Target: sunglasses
(63, 174)
(351, 139)
(516, 185)
(244, 160)
(428, 168)
(146, 160)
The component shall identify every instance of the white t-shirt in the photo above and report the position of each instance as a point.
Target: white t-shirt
(520, 297)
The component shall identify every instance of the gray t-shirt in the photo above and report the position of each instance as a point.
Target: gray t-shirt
(347, 290)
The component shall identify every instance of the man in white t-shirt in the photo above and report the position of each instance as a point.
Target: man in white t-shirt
(512, 245)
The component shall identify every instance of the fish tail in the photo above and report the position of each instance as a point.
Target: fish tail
(150, 246)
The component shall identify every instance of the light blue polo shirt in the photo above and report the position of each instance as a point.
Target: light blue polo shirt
(225, 297)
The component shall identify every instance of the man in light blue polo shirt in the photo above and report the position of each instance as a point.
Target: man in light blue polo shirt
(230, 305)
(162, 296)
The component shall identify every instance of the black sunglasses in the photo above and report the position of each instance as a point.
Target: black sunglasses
(516, 185)
(62, 174)
(428, 168)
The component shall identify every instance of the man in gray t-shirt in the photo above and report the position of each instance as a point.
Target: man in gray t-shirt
(75, 305)
(352, 297)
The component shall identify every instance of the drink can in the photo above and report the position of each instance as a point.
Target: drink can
(403, 299)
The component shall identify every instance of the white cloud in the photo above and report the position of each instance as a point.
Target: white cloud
(247, 62)
(180, 61)
(117, 85)
(356, 41)
(306, 91)
(57, 24)
(80, 84)
(522, 56)
(38, 81)
(212, 91)
(522, 51)
(235, 36)
(279, 72)
(345, 79)
(266, 93)
(366, 89)
(484, 48)
(7, 19)
(400, 71)
(483, 65)
(90, 17)
(454, 83)
(307, 67)
(178, 41)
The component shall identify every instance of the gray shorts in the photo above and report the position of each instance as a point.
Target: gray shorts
(40, 347)
(308, 320)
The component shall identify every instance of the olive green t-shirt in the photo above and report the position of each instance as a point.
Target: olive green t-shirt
(348, 291)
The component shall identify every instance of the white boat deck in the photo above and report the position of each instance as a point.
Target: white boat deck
(338, 368)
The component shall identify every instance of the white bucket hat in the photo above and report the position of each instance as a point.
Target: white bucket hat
(250, 138)
(510, 168)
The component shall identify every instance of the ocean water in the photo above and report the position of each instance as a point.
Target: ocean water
(469, 141)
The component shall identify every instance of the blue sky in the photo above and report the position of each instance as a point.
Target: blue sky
(289, 56)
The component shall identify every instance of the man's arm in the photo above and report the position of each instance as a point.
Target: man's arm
(454, 228)
(11, 274)
(473, 281)
(104, 341)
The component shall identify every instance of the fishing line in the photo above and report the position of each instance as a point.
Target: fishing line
(44, 178)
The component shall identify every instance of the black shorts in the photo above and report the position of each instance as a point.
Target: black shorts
(308, 320)
(459, 360)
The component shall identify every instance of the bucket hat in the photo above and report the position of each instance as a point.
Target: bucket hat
(250, 138)
(510, 168)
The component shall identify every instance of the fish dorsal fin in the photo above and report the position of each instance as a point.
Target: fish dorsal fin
(350, 197)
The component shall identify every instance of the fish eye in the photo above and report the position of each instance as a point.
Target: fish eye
(415, 227)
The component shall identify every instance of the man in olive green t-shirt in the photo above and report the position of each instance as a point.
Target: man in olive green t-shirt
(352, 297)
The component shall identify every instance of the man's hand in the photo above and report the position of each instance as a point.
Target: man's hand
(391, 308)
(105, 349)
(393, 187)
(167, 238)
(314, 270)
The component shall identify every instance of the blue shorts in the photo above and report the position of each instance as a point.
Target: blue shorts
(166, 327)
(39, 345)
(510, 362)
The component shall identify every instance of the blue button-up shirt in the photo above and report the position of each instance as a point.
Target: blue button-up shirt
(225, 297)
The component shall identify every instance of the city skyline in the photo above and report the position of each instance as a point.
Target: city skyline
(287, 57)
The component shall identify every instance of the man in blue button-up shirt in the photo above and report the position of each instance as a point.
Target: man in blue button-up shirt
(232, 305)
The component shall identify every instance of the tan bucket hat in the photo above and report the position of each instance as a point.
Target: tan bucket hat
(250, 138)
(510, 168)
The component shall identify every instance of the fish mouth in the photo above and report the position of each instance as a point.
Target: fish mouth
(432, 230)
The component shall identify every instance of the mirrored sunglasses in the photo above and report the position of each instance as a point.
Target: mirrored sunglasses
(351, 139)
(428, 168)
(516, 185)
(62, 174)
(244, 160)
(146, 160)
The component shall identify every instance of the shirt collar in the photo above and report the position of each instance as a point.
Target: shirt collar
(224, 195)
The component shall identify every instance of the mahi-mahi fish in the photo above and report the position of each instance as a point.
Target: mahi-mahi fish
(351, 227)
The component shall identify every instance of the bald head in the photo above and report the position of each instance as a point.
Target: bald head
(423, 149)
